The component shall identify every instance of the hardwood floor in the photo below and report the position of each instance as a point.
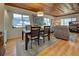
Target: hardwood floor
(60, 48)
(11, 47)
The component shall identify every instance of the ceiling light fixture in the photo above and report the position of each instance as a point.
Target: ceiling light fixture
(40, 13)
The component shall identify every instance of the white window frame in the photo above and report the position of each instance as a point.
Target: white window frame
(47, 20)
(22, 23)
(63, 21)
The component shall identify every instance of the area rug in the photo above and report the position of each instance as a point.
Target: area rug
(20, 47)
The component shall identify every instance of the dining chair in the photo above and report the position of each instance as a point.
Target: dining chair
(46, 33)
(34, 34)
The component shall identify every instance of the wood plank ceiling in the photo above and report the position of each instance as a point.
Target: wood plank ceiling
(54, 9)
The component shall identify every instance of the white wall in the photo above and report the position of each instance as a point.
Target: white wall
(10, 32)
(8, 16)
(57, 19)
(1, 17)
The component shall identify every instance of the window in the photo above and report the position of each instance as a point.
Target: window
(47, 21)
(67, 20)
(20, 20)
(26, 20)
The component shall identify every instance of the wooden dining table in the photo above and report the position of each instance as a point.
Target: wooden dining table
(25, 34)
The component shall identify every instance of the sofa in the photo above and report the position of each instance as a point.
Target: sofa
(61, 32)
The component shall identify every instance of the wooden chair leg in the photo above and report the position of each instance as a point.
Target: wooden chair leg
(31, 44)
(43, 39)
(48, 37)
(38, 41)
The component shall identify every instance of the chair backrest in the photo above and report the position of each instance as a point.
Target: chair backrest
(35, 31)
(46, 29)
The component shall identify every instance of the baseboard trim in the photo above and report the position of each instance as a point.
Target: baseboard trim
(15, 38)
